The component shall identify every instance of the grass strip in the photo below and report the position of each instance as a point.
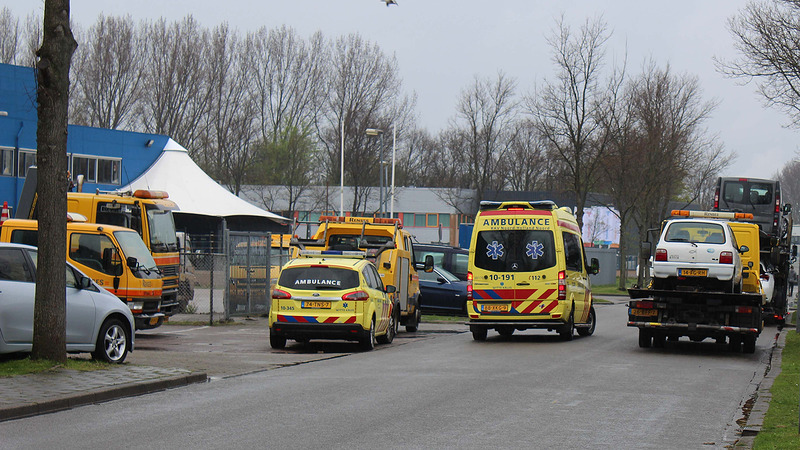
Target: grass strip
(11, 366)
(780, 428)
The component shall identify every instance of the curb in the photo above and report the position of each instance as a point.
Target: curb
(100, 395)
(763, 396)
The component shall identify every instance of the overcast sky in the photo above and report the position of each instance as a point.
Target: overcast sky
(442, 44)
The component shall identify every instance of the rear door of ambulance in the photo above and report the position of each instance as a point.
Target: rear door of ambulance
(514, 265)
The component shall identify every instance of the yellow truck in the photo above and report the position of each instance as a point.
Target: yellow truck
(388, 246)
(114, 257)
(147, 212)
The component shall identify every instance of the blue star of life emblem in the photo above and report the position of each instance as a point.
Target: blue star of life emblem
(534, 250)
(494, 250)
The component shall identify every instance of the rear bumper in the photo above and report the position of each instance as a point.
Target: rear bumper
(346, 331)
(516, 324)
(701, 328)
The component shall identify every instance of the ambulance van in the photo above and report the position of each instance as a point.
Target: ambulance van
(527, 269)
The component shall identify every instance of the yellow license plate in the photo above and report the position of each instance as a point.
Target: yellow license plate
(154, 321)
(494, 308)
(644, 312)
(693, 272)
(316, 304)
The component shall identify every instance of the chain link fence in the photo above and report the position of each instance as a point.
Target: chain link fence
(232, 275)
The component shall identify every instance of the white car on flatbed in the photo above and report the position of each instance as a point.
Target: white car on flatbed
(697, 253)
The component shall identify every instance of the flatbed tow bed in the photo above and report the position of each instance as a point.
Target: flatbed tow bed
(670, 314)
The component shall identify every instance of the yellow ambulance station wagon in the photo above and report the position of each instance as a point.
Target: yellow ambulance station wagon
(332, 294)
(527, 270)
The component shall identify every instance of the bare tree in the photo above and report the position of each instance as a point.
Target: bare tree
(289, 79)
(10, 37)
(58, 44)
(569, 110)
(363, 92)
(526, 165)
(485, 118)
(108, 74)
(767, 36)
(32, 38)
(789, 176)
(176, 90)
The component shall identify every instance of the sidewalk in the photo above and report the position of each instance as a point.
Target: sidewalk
(30, 395)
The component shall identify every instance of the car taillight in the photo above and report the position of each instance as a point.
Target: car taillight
(726, 258)
(744, 310)
(777, 203)
(765, 276)
(356, 296)
(278, 294)
(469, 286)
(661, 254)
(562, 285)
(716, 199)
(643, 305)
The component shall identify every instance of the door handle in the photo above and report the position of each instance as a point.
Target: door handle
(523, 283)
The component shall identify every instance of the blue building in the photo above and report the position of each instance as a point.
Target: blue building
(112, 160)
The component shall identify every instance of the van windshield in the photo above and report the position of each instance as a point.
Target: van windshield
(515, 250)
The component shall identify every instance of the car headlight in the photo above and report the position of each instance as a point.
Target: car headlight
(136, 307)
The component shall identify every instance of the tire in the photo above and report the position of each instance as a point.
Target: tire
(479, 333)
(506, 332)
(659, 340)
(277, 341)
(391, 330)
(749, 344)
(592, 320)
(645, 338)
(367, 341)
(113, 342)
(567, 331)
(413, 325)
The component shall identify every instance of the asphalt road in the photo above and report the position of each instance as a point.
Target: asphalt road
(440, 390)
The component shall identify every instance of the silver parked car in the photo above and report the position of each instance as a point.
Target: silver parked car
(96, 322)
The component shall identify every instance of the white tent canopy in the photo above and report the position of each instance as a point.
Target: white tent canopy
(193, 190)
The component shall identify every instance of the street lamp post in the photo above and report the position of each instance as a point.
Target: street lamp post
(379, 133)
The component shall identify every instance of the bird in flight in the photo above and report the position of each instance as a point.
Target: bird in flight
(389, 2)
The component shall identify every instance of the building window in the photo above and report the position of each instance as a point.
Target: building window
(444, 219)
(431, 220)
(7, 162)
(419, 220)
(26, 159)
(96, 170)
(408, 219)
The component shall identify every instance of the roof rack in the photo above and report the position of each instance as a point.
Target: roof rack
(540, 204)
(332, 253)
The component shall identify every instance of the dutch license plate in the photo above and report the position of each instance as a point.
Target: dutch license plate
(316, 304)
(693, 272)
(644, 312)
(494, 308)
(154, 321)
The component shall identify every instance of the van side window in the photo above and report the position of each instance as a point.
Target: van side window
(13, 266)
(572, 252)
(88, 250)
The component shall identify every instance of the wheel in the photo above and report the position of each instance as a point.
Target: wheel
(506, 332)
(659, 340)
(645, 338)
(277, 341)
(592, 324)
(567, 331)
(391, 330)
(479, 333)
(368, 339)
(749, 344)
(112, 342)
(413, 325)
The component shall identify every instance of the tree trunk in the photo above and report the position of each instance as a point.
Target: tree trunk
(52, 75)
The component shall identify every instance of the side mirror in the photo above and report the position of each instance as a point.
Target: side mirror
(428, 263)
(441, 280)
(132, 262)
(594, 267)
(116, 280)
(84, 283)
(390, 289)
(744, 249)
(787, 208)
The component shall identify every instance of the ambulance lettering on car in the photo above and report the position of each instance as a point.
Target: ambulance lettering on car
(527, 270)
